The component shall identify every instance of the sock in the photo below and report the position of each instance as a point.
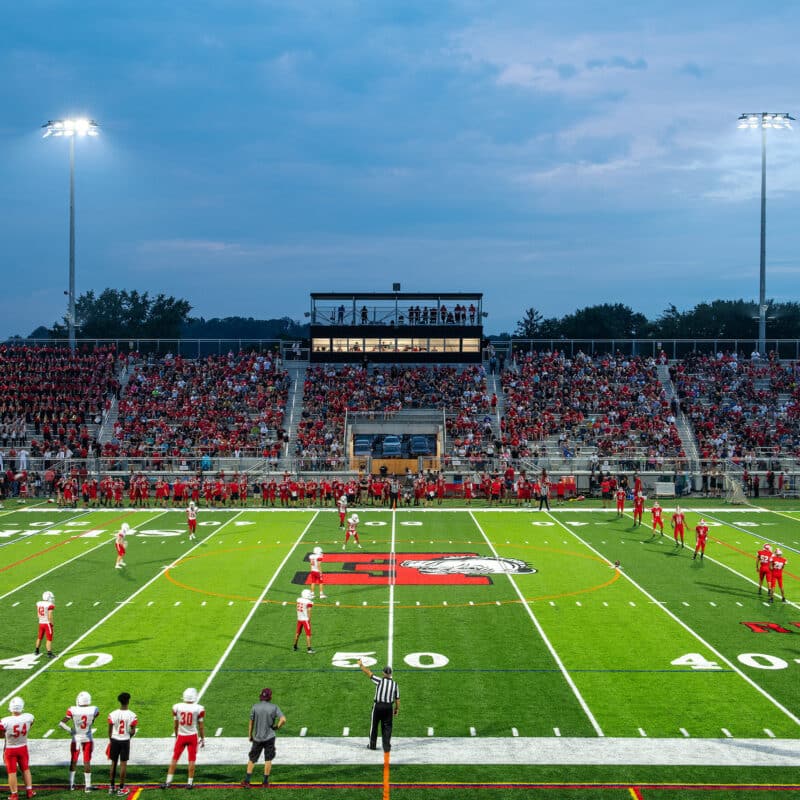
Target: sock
(169, 780)
(71, 779)
(190, 781)
(88, 778)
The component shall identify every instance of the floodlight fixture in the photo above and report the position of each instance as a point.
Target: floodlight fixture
(71, 128)
(752, 121)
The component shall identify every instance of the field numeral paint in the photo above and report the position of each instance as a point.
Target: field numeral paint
(82, 661)
(756, 659)
(695, 661)
(349, 660)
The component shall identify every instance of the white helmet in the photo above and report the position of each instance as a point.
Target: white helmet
(306, 594)
(16, 705)
(190, 696)
(83, 699)
(191, 504)
(125, 528)
(354, 518)
(48, 597)
(317, 551)
(768, 547)
(778, 553)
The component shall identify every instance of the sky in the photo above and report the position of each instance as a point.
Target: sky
(550, 155)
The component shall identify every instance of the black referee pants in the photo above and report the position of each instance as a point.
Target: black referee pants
(383, 714)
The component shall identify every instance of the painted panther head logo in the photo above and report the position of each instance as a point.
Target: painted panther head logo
(470, 565)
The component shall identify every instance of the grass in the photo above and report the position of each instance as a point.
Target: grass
(657, 650)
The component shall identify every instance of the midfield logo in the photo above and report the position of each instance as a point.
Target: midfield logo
(415, 569)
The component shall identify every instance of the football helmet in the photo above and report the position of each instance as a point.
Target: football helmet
(768, 547)
(125, 528)
(306, 594)
(778, 553)
(191, 504)
(266, 695)
(83, 699)
(317, 551)
(16, 705)
(190, 696)
(354, 519)
(48, 597)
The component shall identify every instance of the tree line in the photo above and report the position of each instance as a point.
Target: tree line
(123, 314)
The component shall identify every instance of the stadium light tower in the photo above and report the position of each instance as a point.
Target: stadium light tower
(71, 128)
(764, 120)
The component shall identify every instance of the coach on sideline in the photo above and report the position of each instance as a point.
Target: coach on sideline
(387, 704)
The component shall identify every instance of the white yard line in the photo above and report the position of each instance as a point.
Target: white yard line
(392, 571)
(567, 677)
(108, 616)
(689, 630)
(255, 608)
(9, 542)
(64, 563)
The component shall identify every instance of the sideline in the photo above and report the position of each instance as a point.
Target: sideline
(336, 751)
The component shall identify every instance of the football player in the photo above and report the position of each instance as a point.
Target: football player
(763, 558)
(44, 612)
(15, 731)
(777, 566)
(121, 545)
(191, 519)
(78, 722)
(352, 530)
(304, 605)
(678, 522)
(189, 730)
(315, 559)
(701, 536)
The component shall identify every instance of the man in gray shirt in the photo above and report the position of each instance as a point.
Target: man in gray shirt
(265, 719)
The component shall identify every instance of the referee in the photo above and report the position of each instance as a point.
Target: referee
(386, 705)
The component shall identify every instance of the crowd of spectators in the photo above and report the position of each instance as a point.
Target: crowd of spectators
(331, 391)
(173, 407)
(596, 406)
(743, 410)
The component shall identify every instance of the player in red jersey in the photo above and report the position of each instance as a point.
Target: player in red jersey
(191, 519)
(763, 558)
(638, 509)
(701, 535)
(342, 505)
(777, 566)
(678, 523)
(620, 495)
(189, 732)
(467, 492)
(658, 519)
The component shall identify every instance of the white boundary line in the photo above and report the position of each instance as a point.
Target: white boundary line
(64, 563)
(567, 677)
(689, 630)
(251, 613)
(108, 616)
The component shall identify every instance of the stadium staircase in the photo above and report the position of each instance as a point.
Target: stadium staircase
(106, 430)
(294, 408)
(685, 429)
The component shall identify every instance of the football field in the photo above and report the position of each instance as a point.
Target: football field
(518, 645)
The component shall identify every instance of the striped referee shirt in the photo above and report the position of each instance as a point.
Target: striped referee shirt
(386, 690)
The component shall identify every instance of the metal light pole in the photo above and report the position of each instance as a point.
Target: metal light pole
(71, 128)
(764, 120)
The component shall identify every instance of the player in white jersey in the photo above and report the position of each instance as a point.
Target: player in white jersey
(191, 519)
(189, 729)
(304, 605)
(121, 544)
(14, 729)
(78, 722)
(341, 504)
(44, 613)
(315, 560)
(122, 726)
(352, 530)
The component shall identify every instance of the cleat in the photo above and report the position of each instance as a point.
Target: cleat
(323, 597)
(122, 792)
(164, 786)
(311, 651)
(30, 793)
(344, 546)
(245, 784)
(51, 654)
(359, 546)
(294, 647)
(118, 566)
(189, 786)
(783, 600)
